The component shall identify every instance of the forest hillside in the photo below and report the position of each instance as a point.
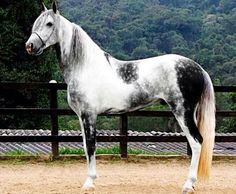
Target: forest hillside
(204, 30)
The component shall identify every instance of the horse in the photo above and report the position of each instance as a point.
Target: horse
(99, 83)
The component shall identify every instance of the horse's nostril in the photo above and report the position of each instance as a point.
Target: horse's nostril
(29, 48)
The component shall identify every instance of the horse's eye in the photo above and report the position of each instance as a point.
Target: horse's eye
(49, 24)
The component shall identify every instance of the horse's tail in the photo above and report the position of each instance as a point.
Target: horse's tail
(206, 126)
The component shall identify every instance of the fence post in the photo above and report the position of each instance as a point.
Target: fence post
(54, 119)
(124, 132)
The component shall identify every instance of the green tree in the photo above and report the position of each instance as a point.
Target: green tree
(203, 30)
(17, 18)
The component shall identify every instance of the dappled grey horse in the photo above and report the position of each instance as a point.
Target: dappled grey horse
(99, 83)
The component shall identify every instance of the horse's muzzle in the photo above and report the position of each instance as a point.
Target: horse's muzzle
(29, 48)
(33, 50)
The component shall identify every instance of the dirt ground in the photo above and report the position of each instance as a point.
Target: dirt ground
(118, 177)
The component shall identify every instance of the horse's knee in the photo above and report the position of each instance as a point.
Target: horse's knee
(196, 147)
(89, 125)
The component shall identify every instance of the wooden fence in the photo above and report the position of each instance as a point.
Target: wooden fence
(123, 138)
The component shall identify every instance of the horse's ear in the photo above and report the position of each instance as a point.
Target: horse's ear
(44, 7)
(54, 7)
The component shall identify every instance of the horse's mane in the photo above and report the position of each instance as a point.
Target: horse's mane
(81, 45)
(76, 48)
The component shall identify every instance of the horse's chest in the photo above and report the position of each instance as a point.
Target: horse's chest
(98, 94)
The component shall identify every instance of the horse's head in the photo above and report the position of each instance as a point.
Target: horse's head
(44, 31)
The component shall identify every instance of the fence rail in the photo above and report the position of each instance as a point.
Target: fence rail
(53, 111)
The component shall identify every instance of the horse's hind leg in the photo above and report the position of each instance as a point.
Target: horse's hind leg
(185, 116)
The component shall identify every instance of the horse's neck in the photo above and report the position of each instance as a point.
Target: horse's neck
(77, 49)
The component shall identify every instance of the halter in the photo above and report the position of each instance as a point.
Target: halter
(43, 42)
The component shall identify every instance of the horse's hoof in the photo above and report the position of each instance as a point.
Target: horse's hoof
(88, 189)
(188, 191)
(89, 185)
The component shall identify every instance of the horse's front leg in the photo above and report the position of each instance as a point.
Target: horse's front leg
(88, 126)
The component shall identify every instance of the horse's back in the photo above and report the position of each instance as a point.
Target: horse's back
(159, 64)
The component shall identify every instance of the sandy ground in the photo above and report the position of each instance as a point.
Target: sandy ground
(118, 177)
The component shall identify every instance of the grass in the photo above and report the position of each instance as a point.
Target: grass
(17, 152)
(113, 150)
(109, 150)
(65, 150)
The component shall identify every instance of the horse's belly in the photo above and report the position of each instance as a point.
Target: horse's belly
(110, 97)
